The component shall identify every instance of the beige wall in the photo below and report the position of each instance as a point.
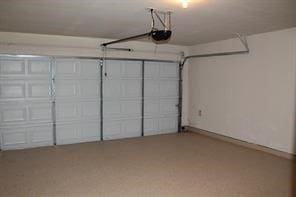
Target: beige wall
(247, 97)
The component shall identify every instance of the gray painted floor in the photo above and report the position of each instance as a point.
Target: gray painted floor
(185, 164)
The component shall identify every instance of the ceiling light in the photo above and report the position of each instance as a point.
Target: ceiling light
(184, 3)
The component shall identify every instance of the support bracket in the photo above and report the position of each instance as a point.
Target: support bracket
(242, 39)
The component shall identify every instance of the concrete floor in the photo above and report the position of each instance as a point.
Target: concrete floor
(185, 164)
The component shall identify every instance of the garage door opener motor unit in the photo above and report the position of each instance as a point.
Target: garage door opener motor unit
(159, 36)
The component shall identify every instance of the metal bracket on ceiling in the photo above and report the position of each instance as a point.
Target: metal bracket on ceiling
(119, 49)
(242, 39)
(164, 18)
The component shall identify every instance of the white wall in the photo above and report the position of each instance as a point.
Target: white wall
(52, 45)
(247, 97)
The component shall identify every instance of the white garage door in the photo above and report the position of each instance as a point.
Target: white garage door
(77, 94)
(38, 111)
(122, 99)
(161, 98)
(25, 103)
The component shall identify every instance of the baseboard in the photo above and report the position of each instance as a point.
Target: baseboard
(242, 143)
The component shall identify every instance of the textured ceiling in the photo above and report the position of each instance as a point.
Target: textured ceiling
(204, 20)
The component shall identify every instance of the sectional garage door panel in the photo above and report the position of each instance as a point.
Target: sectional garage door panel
(25, 90)
(117, 129)
(77, 132)
(24, 67)
(32, 117)
(25, 113)
(77, 94)
(77, 111)
(16, 137)
(25, 102)
(161, 98)
(122, 99)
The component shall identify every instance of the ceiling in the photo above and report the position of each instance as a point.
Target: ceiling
(203, 21)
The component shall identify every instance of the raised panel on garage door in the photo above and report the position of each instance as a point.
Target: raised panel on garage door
(161, 97)
(122, 99)
(77, 93)
(25, 102)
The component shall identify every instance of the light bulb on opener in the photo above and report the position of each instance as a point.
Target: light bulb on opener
(185, 3)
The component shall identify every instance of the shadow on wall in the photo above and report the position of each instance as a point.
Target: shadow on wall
(293, 181)
(293, 167)
(293, 163)
(293, 176)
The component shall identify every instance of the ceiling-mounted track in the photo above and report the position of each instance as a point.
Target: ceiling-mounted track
(163, 34)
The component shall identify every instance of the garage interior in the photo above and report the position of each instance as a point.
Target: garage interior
(148, 98)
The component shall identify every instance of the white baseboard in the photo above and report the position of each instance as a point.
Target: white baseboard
(242, 143)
